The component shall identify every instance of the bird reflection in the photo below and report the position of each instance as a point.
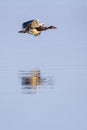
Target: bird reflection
(33, 80)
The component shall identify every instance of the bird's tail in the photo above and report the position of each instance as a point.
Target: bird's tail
(22, 31)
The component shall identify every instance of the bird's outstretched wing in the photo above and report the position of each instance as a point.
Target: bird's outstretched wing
(35, 23)
(26, 24)
(32, 24)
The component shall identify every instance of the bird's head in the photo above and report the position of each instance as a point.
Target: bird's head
(53, 27)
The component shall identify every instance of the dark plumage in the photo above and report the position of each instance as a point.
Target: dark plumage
(26, 24)
(42, 28)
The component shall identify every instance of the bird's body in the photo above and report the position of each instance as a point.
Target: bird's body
(33, 27)
(34, 31)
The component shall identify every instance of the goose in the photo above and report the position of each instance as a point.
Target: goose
(35, 28)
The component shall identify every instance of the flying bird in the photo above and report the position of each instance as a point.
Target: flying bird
(34, 27)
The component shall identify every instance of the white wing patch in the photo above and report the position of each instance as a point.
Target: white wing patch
(35, 23)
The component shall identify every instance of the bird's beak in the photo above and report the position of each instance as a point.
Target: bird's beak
(54, 27)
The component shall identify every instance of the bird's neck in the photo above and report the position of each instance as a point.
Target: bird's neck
(49, 27)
